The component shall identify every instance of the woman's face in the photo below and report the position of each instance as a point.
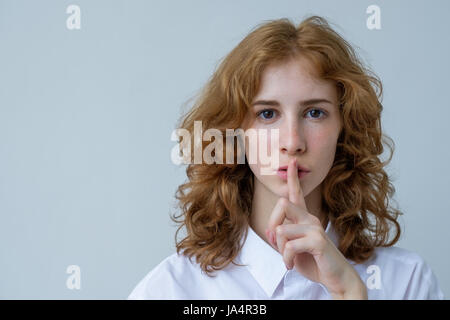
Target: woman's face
(308, 131)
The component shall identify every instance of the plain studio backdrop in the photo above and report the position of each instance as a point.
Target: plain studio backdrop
(86, 117)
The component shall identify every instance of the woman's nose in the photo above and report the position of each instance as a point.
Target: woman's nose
(291, 138)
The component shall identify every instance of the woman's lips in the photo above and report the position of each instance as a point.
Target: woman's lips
(299, 167)
(283, 174)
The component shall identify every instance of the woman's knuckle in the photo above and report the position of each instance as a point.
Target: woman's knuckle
(288, 246)
(279, 229)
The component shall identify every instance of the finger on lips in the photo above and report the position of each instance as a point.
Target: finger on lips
(293, 182)
(293, 209)
(295, 190)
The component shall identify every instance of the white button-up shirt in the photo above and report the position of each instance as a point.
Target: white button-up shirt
(391, 273)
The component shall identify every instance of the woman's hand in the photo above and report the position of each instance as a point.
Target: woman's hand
(305, 245)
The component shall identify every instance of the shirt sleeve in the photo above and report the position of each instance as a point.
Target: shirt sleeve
(423, 284)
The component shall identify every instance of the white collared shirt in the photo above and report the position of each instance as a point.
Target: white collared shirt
(391, 273)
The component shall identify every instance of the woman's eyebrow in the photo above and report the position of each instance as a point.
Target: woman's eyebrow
(301, 102)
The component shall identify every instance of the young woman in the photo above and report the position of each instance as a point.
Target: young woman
(317, 225)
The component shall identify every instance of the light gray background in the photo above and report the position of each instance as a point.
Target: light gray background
(86, 117)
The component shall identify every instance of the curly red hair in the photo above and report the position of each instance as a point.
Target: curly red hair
(216, 200)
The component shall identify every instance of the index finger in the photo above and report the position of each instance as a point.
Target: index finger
(295, 190)
(284, 209)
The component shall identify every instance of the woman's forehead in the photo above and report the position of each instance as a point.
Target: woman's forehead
(293, 78)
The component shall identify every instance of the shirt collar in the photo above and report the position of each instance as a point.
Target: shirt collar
(265, 263)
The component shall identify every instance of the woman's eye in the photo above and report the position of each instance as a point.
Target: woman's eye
(316, 112)
(267, 114)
